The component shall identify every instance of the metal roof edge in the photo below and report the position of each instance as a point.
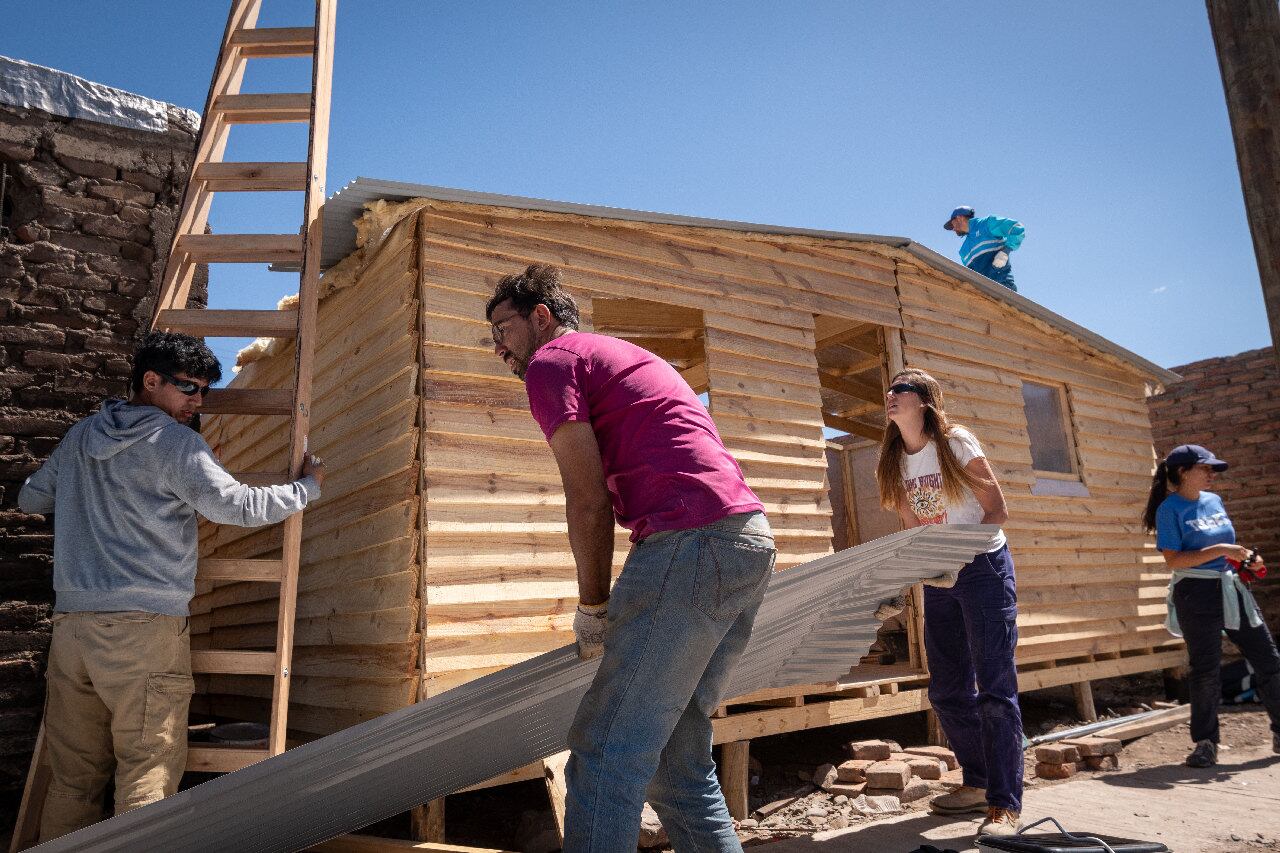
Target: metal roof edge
(345, 206)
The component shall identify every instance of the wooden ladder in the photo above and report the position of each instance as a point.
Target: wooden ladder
(225, 107)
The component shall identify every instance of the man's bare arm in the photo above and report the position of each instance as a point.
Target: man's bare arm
(588, 508)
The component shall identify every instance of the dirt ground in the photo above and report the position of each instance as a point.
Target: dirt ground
(1231, 808)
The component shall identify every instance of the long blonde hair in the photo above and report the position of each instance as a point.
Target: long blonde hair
(956, 480)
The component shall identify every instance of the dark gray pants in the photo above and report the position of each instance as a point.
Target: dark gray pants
(1199, 605)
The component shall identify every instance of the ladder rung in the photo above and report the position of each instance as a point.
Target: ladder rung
(275, 41)
(273, 108)
(222, 759)
(241, 248)
(233, 662)
(222, 569)
(252, 177)
(261, 478)
(208, 322)
(249, 401)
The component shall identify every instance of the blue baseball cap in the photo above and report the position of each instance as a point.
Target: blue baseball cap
(1193, 454)
(962, 210)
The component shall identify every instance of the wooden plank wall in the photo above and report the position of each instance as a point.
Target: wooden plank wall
(498, 574)
(357, 611)
(1089, 582)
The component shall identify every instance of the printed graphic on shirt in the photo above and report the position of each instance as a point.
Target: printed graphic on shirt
(924, 496)
(1208, 522)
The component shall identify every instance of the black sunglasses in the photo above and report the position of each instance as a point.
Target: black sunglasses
(908, 388)
(186, 386)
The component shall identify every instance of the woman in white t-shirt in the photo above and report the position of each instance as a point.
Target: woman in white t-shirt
(933, 472)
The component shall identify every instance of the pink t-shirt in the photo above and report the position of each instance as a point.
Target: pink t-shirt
(664, 463)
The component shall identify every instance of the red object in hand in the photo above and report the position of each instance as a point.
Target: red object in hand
(1252, 569)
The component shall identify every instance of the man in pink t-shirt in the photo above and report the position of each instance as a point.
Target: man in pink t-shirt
(634, 444)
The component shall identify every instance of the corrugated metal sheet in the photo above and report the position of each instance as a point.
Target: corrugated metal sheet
(816, 620)
(345, 206)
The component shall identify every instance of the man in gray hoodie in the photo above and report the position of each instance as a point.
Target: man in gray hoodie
(124, 487)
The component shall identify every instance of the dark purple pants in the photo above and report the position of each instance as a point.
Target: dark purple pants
(970, 632)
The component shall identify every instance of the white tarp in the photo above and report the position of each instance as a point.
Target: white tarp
(23, 84)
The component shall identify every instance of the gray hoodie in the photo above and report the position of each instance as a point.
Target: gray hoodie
(125, 485)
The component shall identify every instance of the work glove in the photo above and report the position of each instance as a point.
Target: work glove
(589, 623)
(888, 609)
(1001, 258)
(941, 581)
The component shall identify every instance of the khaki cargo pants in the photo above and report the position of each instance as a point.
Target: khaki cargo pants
(119, 688)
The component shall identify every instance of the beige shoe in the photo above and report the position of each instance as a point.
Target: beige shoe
(1000, 822)
(962, 800)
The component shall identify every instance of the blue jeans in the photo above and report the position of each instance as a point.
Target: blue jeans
(970, 633)
(680, 615)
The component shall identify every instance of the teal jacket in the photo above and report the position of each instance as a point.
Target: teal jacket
(989, 235)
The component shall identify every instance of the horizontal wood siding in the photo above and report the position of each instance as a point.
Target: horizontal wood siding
(1089, 581)
(499, 577)
(357, 609)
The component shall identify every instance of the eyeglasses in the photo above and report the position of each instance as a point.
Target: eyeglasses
(907, 388)
(186, 386)
(497, 331)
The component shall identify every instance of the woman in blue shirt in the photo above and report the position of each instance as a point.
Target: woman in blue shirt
(1206, 597)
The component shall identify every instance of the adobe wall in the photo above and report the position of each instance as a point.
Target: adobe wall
(90, 213)
(1231, 405)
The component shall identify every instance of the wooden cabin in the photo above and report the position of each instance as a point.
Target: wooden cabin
(438, 552)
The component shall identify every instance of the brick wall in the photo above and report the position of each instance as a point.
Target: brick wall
(91, 210)
(1231, 405)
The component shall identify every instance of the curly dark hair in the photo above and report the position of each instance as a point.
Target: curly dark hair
(539, 284)
(173, 353)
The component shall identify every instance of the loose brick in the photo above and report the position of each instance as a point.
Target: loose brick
(825, 776)
(1057, 753)
(888, 774)
(850, 790)
(869, 750)
(941, 753)
(1102, 762)
(853, 770)
(925, 768)
(1056, 771)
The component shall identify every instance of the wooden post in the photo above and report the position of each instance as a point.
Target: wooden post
(735, 772)
(426, 822)
(1246, 34)
(1085, 709)
(553, 772)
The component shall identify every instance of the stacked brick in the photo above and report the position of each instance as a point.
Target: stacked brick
(89, 214)
(1231, 405)
(1064, 759)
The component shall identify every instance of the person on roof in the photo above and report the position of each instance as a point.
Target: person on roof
(987, 243)
(124, 487)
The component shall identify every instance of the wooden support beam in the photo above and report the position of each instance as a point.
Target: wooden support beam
(852, 332)
(240, 248)
(426, 822)
(553, 768)
(1246, 34)
(233, 662)
(853, 427)
(249, 401)
(217, 759)
(735, 776)
(213, 323)
(221, 569)
(1085, 710)
(697, 378)
(851, 386)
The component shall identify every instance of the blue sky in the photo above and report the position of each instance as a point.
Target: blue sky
(1100, 125)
